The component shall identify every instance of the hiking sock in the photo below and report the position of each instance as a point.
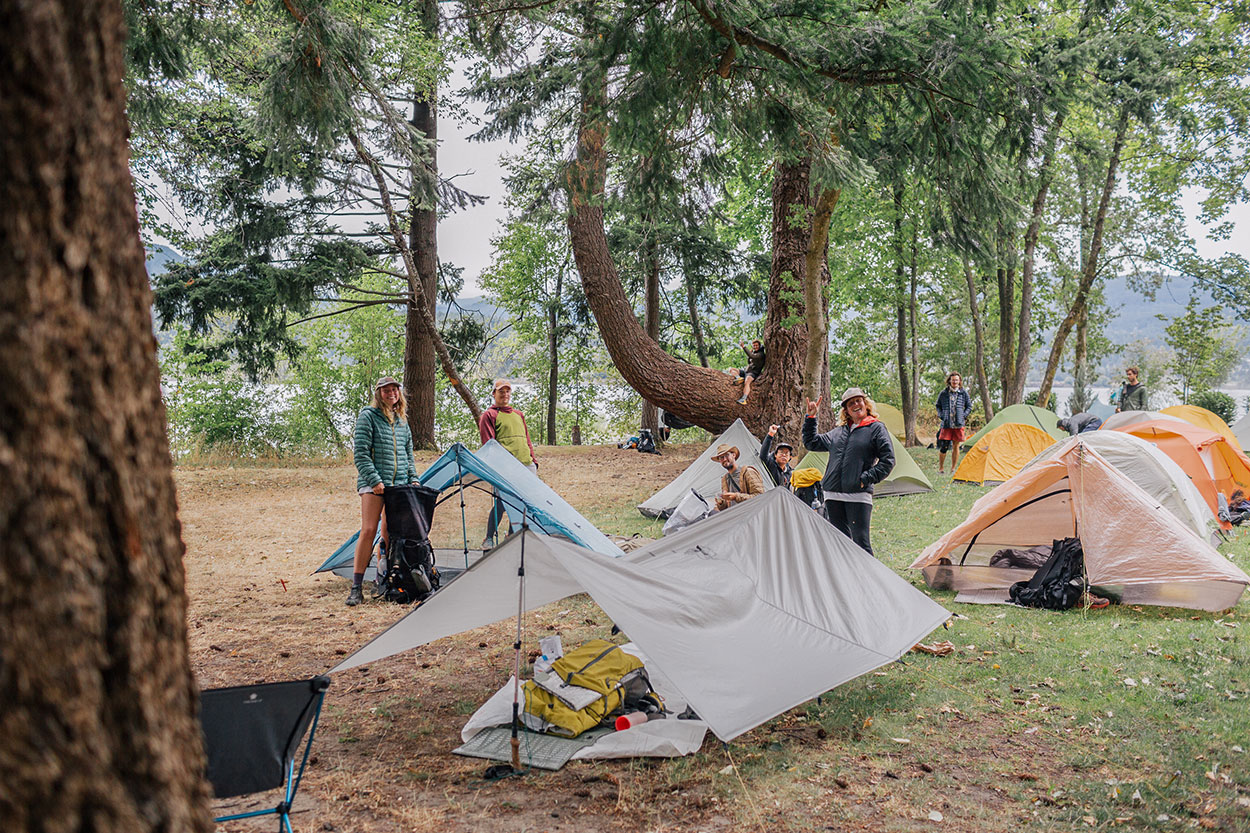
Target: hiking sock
(358, 579)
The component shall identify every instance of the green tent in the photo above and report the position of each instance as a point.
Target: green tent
(1032, 415)
(906, 479)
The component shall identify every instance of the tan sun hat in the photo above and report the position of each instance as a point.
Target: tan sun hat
(725, 448)
(501, 383)
(851, 393)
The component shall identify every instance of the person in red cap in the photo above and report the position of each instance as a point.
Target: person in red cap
(860, 454)
(506, 425)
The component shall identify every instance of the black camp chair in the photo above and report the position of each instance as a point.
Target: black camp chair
(251, 736)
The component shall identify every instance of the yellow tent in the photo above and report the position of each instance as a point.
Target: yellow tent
(1204, 419)
(1002, 453)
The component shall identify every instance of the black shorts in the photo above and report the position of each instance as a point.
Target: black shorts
(944, 445)
(747, 373)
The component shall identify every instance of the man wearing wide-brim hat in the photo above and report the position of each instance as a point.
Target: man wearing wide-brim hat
(739, 482)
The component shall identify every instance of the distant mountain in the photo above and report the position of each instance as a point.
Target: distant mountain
(159, 258)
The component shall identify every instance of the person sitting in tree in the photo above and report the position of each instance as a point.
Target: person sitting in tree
(755, 366)
(777, 461)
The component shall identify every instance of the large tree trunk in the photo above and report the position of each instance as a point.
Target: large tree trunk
(98, 728)
(699, 395)
(651, 321)
(1089, 270)
(978, 336)
(816, 311)
(420, 363)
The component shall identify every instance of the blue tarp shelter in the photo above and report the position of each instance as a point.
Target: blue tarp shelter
(492, 466)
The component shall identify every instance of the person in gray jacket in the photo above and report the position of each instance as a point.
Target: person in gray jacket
(383, 455)
(1080, 423)
(860, 455)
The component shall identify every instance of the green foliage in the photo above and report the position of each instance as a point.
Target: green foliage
(1217, 402)
(1205, 349)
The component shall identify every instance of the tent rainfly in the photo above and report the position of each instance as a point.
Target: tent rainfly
(1205, 419)
(1204, 455)
(1002, 453)
(1101, 409)
(1241, 430)
(704, 474)
(1148, 467)
(906, 478)
(1031, 415)
(1131, 545)
(493, 466)
(747, 614)
(1117, 422)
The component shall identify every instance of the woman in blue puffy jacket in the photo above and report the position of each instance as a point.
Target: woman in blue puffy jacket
(383, 454)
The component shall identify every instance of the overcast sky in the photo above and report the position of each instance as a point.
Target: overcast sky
(464, 237)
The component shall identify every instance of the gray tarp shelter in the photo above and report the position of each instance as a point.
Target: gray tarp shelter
(747, 614)
(704, 474)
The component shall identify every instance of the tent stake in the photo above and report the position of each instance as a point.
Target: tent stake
(516, 662)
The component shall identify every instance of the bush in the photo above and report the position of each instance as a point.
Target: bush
(1218, 403)
(1031, 399)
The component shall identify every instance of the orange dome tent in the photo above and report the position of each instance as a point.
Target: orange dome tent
(1215, 466)
(1002, 453)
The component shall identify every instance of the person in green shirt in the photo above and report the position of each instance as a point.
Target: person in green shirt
(1132, 392)
(506, 425)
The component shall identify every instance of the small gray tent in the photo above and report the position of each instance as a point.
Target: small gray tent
(704, 474)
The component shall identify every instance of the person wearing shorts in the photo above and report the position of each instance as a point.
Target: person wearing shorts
(755, 366)
(953, 407)
(383, 456)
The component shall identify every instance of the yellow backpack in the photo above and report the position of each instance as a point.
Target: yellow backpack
(558, 705)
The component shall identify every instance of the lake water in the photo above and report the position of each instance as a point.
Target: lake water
(1158, 399)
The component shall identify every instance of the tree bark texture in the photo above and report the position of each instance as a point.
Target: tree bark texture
(978, 336)
(816, 308)
(98, 729)
(420, 362)
(699, 395)
(1089, 270)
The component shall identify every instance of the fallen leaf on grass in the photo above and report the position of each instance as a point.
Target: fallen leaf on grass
(903, 741)
(1129, 681)
(934, 815)
(727, 770)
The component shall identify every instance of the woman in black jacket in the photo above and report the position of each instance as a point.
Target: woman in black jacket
(860, 454)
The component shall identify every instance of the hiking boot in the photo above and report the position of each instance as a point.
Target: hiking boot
(355, 597)
(742, 401)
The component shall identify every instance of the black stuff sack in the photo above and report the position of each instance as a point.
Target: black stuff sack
(1057, 584)
(408, 573)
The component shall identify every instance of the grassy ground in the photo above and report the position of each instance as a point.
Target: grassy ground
(1134, 718)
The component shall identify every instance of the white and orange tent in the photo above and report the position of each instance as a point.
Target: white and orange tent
(1132, 544)
(1215, 466)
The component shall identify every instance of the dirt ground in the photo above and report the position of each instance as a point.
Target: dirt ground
(382, 758)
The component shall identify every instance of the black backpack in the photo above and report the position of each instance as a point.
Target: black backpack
(408, 573)
(646, 443)
(1057, 584)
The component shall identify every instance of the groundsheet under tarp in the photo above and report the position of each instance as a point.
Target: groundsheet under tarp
(667, 738)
